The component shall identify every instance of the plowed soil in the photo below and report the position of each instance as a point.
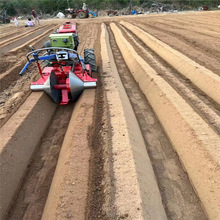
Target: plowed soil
(98, 175)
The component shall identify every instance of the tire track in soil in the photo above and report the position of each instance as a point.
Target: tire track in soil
(204, 106)
(96, 195)
(178, 196)
(199, 56)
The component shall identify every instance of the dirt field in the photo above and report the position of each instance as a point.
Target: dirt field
(143, 145)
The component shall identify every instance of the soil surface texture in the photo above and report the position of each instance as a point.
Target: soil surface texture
(143, 144)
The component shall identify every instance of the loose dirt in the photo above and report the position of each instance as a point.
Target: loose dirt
(196, 98)
(14, 88)
(189, 124)
(173, 182)
(34, 190)
(20, 41)
(196, 45)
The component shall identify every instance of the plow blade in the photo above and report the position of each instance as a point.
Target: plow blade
(73, 87)
(76, 86)
(55, 94)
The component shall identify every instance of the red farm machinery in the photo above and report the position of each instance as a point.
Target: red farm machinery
(65, 74)
(71, 13)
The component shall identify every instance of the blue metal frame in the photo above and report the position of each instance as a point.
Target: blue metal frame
(36, 58)
(48, 57)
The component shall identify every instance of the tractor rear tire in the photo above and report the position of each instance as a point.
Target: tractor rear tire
(89, 58)
(47, 44)
(82, 14)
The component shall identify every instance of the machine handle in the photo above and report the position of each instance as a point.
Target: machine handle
(47, 57)
(52, 48)
(24, 68)
(52, 56)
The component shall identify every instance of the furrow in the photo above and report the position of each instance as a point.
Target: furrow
(203, 78)
(191, 137)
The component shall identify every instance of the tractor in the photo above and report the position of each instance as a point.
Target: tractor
(71, 13)
(67, 28)
(65, 74)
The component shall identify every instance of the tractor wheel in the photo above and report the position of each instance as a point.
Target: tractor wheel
(69, 16)
(82, 14)
(47, 62)
(89, 58)
(47, 44)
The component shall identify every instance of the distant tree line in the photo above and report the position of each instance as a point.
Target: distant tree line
(21, 7)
